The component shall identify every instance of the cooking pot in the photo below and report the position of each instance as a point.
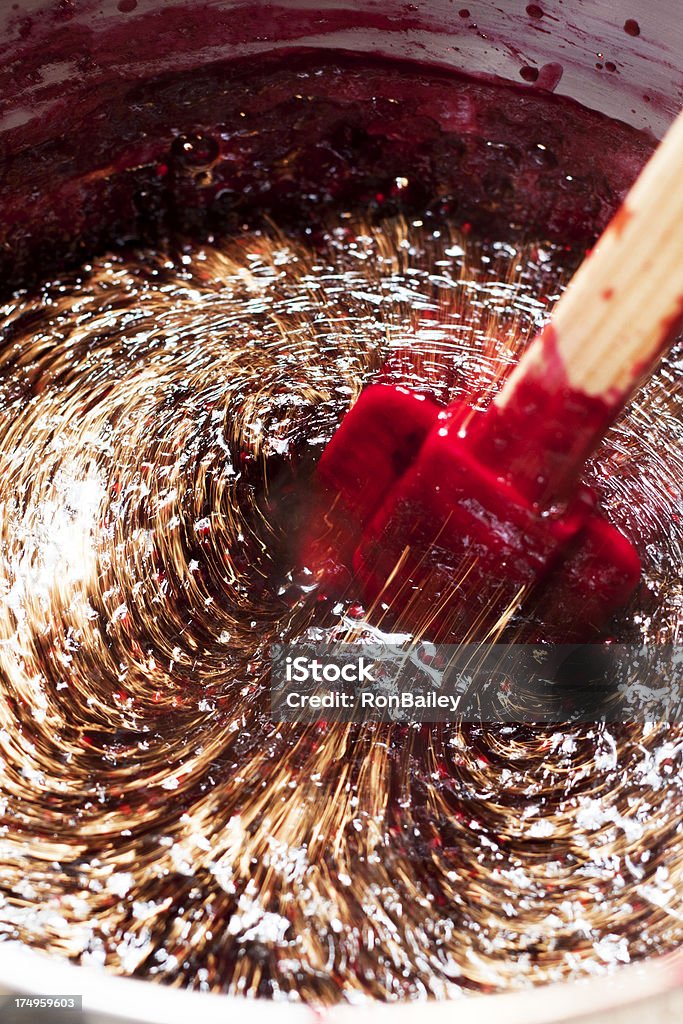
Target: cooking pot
(64, 63)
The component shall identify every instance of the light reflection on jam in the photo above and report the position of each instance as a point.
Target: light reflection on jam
(160, 418)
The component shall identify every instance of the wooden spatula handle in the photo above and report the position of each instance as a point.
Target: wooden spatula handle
(625, 304)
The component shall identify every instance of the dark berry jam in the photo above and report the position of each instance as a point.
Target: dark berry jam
(227, 257)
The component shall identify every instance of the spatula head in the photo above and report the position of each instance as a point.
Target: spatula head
(441, 545)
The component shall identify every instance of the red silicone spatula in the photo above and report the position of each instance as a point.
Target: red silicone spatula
(454, 517)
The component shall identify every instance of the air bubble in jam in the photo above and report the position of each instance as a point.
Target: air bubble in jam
(162, 414)
(195, 151)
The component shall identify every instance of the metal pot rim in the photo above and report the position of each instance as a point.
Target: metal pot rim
(24, 970)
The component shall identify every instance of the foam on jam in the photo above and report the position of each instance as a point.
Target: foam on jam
(161, 413)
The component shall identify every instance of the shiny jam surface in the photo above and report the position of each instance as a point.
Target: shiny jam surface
(161, 414)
